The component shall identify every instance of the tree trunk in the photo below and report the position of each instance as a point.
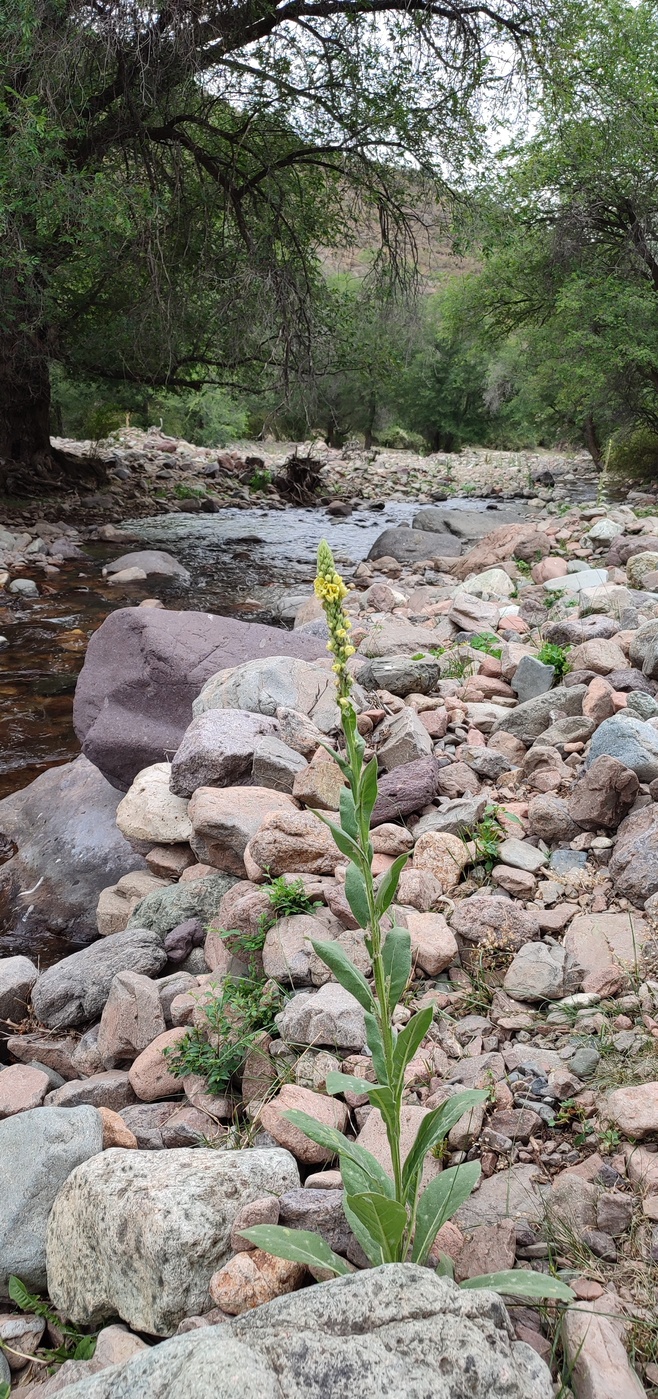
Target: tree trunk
(592, 443)
(29, 464)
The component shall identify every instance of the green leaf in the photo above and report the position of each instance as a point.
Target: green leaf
(297, 1245)
(5, 1390)
(19, 1294)
(435, 1127)
(375, 1044)
(336, 959)
(85, 1348)
(341, 1146)
(396, 957)
(369, 1245)
(338, 758)
(385, 1220)
(347, 1083)
(410, 1039)
(388, 884)
(518, 1283)
(357, 895)
(345, 844)
(445, 1267)
(439, 1202)
(348, 819)
(368, 792)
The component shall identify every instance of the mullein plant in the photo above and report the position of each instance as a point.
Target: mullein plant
(391, 1216)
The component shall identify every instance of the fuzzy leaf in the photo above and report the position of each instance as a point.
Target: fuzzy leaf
(297, 1245)
(356, 895)
(369, 1245)
(519, 1283)
(345, 844)
(388, 884)
(351, 979)
(410, 1038)
(435, 1127)
(341, 1146)
(396, 956)
(348, 819)
(369, 788)
(376, 1047)
(445, 1267)
(347, 1083)
(439, 1202)
(385, 1220)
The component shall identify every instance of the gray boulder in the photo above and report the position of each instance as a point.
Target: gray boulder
(541, 972)
(400, 675)
(533, 717)
(217, 750)
(633, 742)
(276, 765)
(143, 669)
(74, 991)
(155, 563)
(456, 817)
(532, 678)
(634, 861)
(397, 1330)
(262, 686)
(140, 1234)
(410, 545)
(330, 1016)
(38, 1151)
(164, 909)
(467, 524)
(68, 849)
(17, 977)
(641, 642)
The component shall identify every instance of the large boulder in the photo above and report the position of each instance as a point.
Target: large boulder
(410, 545)
(140, 1234)
(74, 991)
(218, 749)
(155, 563)
(164, 909)
(68, 849)
(633, 742)
(263, 686)
(38, 1151)
(534, 717)
(143, 669)
(634, 861)
(395, 1330)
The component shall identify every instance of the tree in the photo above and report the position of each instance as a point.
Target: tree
(571, 241)
(168, 173)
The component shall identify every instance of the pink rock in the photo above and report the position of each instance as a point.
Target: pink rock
(435, 721)
(516, 624)
(634, 1110)
(250, 1279)
(433, 946)
(491, 1249)
(150, 1077)
(327, 1110)
(373, 1138)
(619, 700)
(594, 1349)
(597, 703)
(262, 1211)
(21, 1088)
(115, 1132)
(132, 1017)
(476, 739)
(548, 568)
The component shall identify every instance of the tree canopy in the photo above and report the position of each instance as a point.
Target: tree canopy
(169, 172)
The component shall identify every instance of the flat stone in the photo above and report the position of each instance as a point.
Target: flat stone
(599, 940)
(596, 1354)
(406, 740)
(433, 944)
(491, 1249)
(38, 1151)
(634, 861)
(217, 749)
(455, 817)
(225, 819)
(400, 675)
(116, 903)
(152, 1265)
(634, 1110)
(409, 545)
(262, 686)
(109, 1090)
(496, 921)
(250, 1280)
(407, 788)
(74, 991)
(537, 973)
(167, 908)
(578, 582)
(319, 785)
(521, 855)
(533, 718)
(150, 562)
(132, 1017)
(511, 1194)
(398, 1327)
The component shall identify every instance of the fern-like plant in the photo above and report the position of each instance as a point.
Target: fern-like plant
(392, 1217)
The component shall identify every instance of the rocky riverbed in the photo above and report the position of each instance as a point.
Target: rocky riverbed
(506, 675)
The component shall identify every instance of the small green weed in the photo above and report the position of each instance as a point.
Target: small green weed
(488, 643)
(260, 480)
(288, 896)
(554, 596)
(242, 1010)
(523, 567)
(76, 1345)
(487, 836)
(557, 656)
(189, 492)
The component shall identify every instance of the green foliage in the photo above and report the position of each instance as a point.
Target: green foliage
(557, 656)
(76, 1345)
(5, 1389)
(392, 1217)
(260, 480)
(488, 643)
(233, 1019)
(487, 836)
(633, 456)
(287, 897)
